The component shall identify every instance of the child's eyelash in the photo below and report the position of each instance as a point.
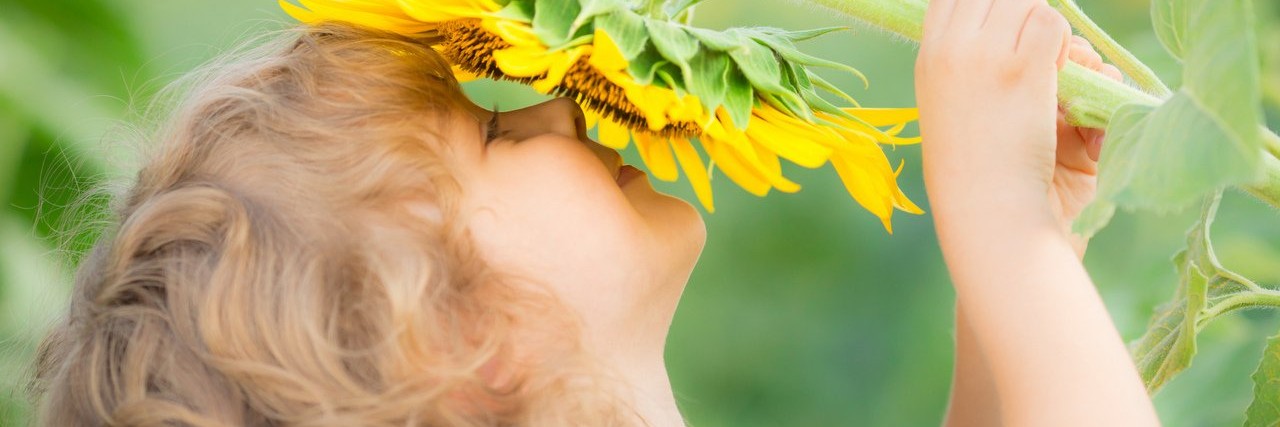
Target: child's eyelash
(491, 128)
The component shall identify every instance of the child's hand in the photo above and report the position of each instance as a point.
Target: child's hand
(1075, 175)
(986, 84)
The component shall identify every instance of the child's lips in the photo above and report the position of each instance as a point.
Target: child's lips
(627, 174)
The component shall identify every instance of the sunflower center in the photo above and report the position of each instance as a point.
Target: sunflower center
(467, 44)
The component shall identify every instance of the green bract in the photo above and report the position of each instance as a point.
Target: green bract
(734, 69)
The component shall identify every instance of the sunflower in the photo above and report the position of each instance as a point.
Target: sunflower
(645, 77)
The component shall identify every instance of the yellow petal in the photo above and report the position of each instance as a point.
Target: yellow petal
(656, 153)
(614, 135)
(767, 161)
(884, 116)
(871, 131)
(687, 109)
(869, 179)
(591, 117)
(607, 56)
(560, 66)
(325, 10)
(724, 159)
(515, 33)
(523, 61)
(445, 10)
(793, 146)
(652, 102)
(691, 164)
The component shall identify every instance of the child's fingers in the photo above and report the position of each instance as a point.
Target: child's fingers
(1082, 53)
(1044, 36)
(1112, 72)
(935, 20)
(1073, 147)
(1093, 146)
(1005, 21)
(969, 14)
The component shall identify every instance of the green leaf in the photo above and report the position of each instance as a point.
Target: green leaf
(1169, 19)
(1206, 291)
(1265, 409)
(1207, 136)
(1170, 341)
(553, 21)
(627, 31)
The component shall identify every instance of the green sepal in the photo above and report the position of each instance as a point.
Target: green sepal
(789, 52)
(592, 9)
(823, 84)
(723, 41)
(676, 7)
(802, 35)
(707, 79)
(553, 21)
(761, 65)
(676, 45)
(517, 10)
(627, 31)
(643, 66)
(739, 97)
(669, 75)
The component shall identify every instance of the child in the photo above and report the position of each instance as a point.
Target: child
(330, 234)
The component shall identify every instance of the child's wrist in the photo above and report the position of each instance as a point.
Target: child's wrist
(995, 219)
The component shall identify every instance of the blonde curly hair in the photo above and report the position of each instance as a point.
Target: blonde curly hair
(268, 266)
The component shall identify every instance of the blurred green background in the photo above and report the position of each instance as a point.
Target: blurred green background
(803, 312)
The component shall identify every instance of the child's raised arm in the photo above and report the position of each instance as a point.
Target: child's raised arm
(1003, 192)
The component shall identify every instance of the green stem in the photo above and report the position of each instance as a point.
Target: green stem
(1121, 57)
(1272, 142)
(1266, 298)
(902, 17)
(1268, 189)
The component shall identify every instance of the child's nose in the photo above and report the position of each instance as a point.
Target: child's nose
(560, 116)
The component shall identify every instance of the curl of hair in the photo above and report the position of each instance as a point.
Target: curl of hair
(267, 268)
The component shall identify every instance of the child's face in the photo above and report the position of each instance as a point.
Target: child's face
(545, 203)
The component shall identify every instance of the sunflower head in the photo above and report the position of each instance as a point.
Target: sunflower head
(747, 96)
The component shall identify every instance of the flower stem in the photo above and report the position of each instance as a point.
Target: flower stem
(1121, 57)
(902, 17)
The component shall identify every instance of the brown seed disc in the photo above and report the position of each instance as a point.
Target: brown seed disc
(465, 43)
